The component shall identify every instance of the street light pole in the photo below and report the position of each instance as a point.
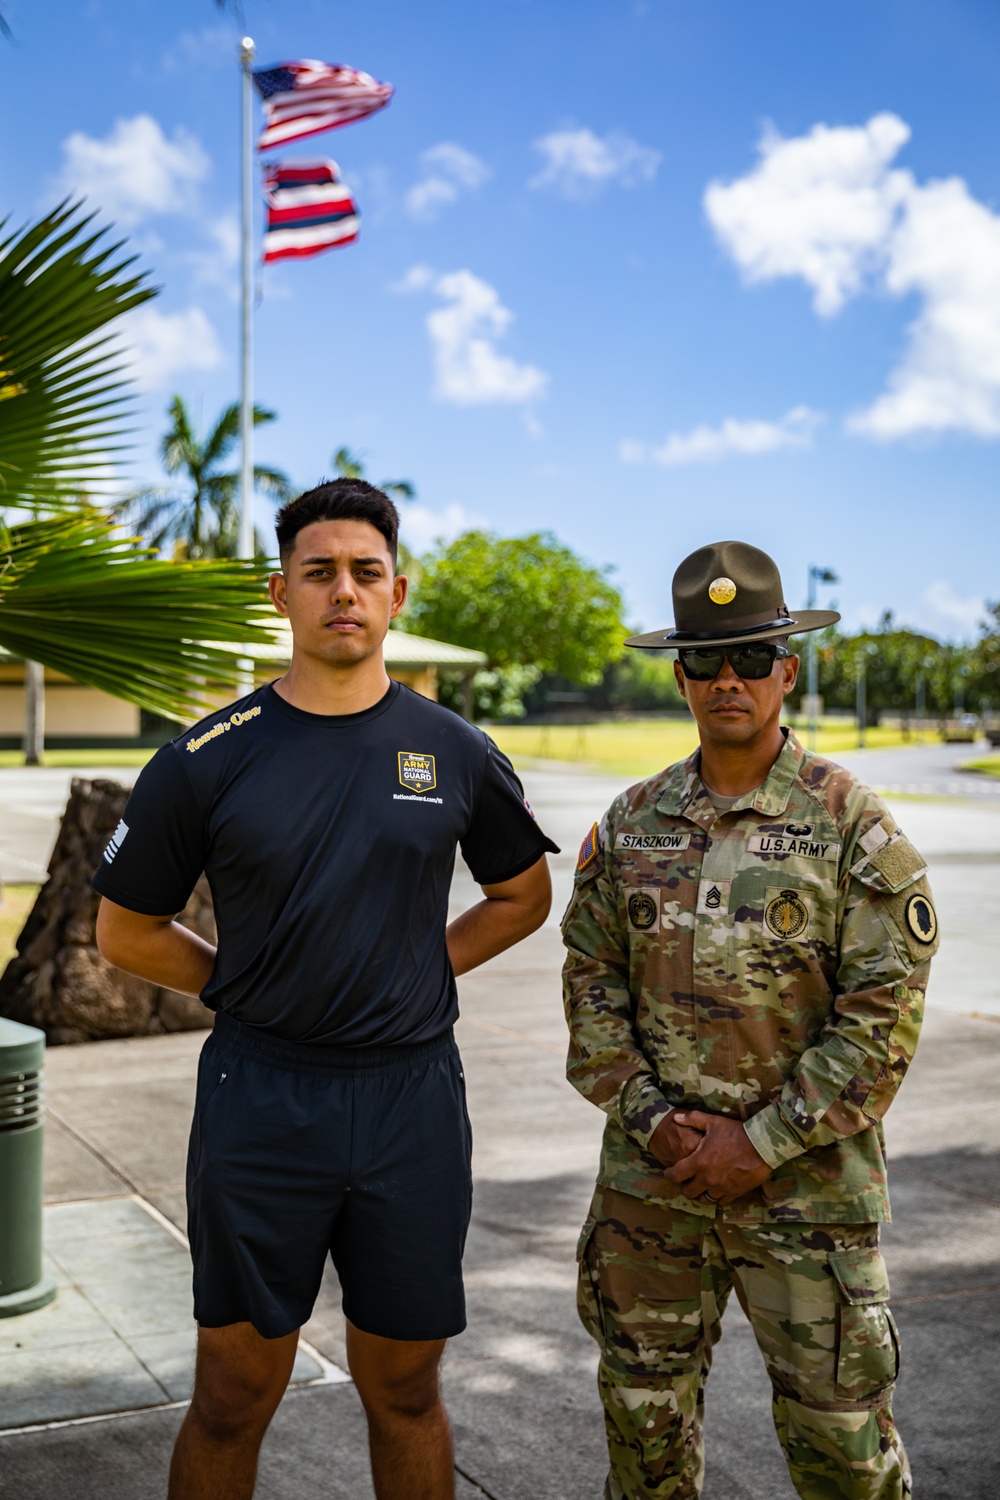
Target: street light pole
(816, 575)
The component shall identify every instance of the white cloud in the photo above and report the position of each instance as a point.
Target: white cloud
(448, 170)
(421, 527)
(952, 610)
(216, 265)
(578, 163)
(829, 208)
(820, 206)
(703, 445)
(416, 279)
(161, 346)
(135, 172)
(212, 46)
(469, 369)
(947, 250)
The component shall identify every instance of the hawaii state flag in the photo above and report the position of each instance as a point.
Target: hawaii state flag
(303, 98)
(308, 210)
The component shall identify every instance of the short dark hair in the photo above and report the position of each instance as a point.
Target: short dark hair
(338, 500)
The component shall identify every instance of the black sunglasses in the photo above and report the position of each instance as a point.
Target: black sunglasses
(749, 662)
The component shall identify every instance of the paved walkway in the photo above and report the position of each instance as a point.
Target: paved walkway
(520, 1382)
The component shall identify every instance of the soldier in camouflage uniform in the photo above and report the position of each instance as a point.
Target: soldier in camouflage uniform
(748, 944)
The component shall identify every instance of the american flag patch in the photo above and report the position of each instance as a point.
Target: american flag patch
(115, 841)
(588, 849)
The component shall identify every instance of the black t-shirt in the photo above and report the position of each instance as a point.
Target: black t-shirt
(329, 844)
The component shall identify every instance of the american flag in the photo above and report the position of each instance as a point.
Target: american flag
(303, 98)
(308, 210)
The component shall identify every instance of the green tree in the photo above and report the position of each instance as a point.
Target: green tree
(984, 664)
(74, 595)
(529, 602)
(897, 662)
(203, 518)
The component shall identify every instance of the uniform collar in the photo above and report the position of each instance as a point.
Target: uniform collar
(685, 796)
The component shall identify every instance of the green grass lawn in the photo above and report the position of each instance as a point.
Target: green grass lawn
(989, 765)
(640, 747)
(74, 759)
(15, 903)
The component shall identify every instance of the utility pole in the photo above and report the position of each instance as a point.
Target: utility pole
(34, 713)
(246, 538)
(816, 575)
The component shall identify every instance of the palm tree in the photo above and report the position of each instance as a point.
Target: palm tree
(202, 520)
(349, 466)
(75, 596)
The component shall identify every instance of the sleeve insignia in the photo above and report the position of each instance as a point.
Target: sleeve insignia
(588, 849)
(921, 919)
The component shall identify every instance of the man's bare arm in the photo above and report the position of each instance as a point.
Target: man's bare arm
(156, 948)
(511, 911)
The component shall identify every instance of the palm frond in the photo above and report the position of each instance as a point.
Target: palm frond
(403, 488)
(165, 635)
(272, 482)
(64, 377)
(348, 465)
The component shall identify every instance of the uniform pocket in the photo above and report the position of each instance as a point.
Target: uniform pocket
(588, 1296)
(867, 1337)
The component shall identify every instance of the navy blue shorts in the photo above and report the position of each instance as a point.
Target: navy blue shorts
(300, 1151)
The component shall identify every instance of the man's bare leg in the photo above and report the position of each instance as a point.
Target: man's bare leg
(408, 1433)
(240, 1378)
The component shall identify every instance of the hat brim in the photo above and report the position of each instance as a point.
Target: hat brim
(804, 620)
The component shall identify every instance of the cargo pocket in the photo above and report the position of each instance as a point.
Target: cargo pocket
(588, 1296)
(867, 1338)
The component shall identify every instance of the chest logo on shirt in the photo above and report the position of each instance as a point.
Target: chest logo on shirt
(786, 914)
(417, 772)
(643, 909)
(643, 841)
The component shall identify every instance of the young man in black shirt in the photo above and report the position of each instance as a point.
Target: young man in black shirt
(325, 809)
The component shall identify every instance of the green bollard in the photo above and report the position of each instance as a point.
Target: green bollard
(23, 1284)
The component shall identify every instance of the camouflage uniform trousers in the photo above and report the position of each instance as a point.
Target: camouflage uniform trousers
(654, 1282)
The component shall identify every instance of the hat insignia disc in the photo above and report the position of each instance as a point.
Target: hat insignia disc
(722, 591)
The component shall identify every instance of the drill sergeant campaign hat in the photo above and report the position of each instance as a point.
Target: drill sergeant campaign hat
(730, 594)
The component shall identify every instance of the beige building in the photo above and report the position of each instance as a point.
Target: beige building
(76, 715)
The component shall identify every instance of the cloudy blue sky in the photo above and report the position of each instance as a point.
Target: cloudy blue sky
(648, 273)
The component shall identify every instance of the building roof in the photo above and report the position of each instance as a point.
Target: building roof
(400, 650)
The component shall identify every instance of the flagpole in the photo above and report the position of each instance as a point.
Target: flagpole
(246, 544)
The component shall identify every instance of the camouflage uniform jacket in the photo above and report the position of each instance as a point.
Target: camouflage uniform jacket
(768, 963)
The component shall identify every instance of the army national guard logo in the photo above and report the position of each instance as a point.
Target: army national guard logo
(921, 919)
(418, 773)
(786, 914)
